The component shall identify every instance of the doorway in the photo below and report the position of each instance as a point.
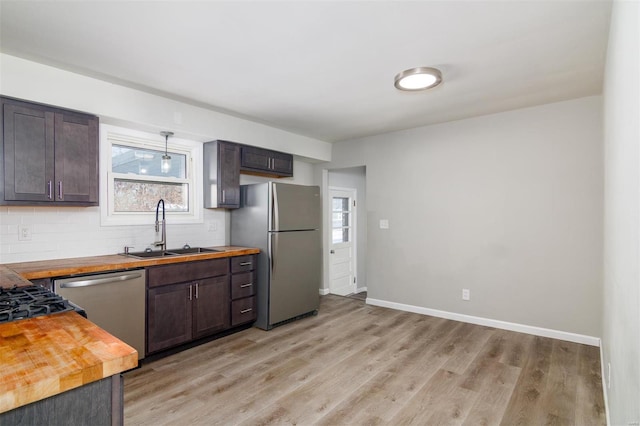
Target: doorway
(353, 181)
(342, 240)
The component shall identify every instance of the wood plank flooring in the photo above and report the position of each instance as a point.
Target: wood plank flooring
(356, 364)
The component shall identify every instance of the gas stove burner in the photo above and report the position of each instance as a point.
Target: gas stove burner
(31, 301)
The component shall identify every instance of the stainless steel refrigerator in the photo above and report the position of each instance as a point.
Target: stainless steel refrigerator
(283, 221)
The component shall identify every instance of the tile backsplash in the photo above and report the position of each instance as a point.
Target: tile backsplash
(40, 233)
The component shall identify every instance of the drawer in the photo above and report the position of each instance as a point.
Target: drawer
(186, 271)
(243, 263)
(243, 285)
(243, 311)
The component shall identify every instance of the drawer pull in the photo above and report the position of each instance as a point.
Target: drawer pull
(246, 285)
(244, 311)
(245, 263)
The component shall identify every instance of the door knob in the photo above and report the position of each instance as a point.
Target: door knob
(332, 252)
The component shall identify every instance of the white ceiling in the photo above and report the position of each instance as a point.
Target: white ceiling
(325, 69)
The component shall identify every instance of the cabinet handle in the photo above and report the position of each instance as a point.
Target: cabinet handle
(190, 292)
(244, 311)
(246, 285)
(60, 190)
(196, 290)
(50, 189)
(245, 263)
(224, 198)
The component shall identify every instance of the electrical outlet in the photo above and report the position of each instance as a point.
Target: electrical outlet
(466, 294)
(384, 223)
(213, 226)
(24, 233)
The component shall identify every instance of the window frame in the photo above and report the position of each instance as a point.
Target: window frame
(113, 135)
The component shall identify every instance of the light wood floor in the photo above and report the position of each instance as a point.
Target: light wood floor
(360, 364)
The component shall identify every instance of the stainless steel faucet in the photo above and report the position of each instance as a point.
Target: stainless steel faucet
(163, 236)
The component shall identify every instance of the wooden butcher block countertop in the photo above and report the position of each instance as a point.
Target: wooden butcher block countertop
(46, 355)
(88, 265)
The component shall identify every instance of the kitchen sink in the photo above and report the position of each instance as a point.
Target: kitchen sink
(193, 250)
(173, 252)
(148, 254)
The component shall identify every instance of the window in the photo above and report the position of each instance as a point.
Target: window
(340, 221)
(135, 182)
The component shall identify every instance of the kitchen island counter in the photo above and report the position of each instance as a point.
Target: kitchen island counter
(50, 354)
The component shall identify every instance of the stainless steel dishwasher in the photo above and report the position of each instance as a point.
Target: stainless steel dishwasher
(113, 301)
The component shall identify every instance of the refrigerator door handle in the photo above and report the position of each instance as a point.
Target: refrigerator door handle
(274, 251)
(276, 213)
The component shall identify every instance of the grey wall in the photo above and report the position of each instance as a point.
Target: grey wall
(621, 324)
(508, 205)
(355, 177)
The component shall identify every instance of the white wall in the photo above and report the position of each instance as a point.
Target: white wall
(131, 108)
(621, 319)
(67, 232)
(508, 205)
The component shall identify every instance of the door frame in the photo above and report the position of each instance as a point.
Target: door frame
(328, 238)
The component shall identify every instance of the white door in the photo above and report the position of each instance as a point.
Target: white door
(342, 259)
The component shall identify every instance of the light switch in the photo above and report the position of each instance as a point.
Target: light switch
(384, 223)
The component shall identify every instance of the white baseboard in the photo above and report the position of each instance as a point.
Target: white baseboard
(521, 328)
(604, 386)
(325, 291)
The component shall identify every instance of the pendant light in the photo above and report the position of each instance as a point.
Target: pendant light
(166, 158)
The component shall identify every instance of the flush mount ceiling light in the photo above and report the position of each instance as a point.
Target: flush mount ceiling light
(165, 166)
(419, 78)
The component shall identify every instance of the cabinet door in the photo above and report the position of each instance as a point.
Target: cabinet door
(169, 316)
(76, 148)
(282, 164)
(265, 161)
(211, 308)
(254, 159)
(28, 143)
(228, 174)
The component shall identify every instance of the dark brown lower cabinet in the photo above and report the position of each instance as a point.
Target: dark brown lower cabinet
(96, 403)
(179, 313)
(191, 300)
(243, 290)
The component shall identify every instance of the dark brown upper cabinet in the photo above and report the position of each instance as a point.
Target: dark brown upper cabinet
(221, 175)
(265, 162)
(49, 155)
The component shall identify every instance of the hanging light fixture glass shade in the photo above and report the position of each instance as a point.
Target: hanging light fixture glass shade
(165, 166)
